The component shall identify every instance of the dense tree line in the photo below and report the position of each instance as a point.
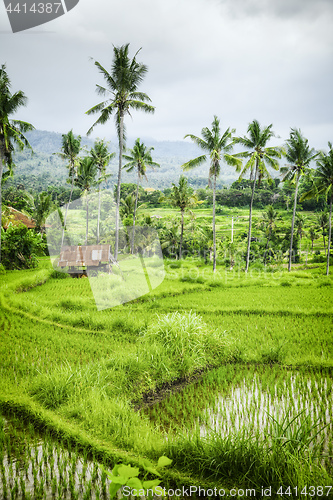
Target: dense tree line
(301, 186)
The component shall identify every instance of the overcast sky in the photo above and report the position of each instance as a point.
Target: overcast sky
(239, 59)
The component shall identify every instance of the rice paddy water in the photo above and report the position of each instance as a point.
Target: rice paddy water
(270, 402)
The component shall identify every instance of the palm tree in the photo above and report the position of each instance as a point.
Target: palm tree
(182, 197)
(123, 96)
(219, 148)
(299, 156)
(71, 148)
(323, 184)
(85, 180)
(259, 157)
(139, 158)
(127, 206)
(43, 207)
(313, 235)
(11, 131)
(102, 157)
(270, 217)
(322, 223)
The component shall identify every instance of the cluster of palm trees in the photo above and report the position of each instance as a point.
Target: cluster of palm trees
(122, 95)
(259, 156)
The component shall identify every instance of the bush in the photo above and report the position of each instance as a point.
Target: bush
(20, 247)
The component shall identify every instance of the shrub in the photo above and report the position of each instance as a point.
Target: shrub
(20, 247)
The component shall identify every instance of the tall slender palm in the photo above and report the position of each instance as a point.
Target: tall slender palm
(85, 179)
(299, 155)
(102, 157)
(259, 157)
(323, 184)
(139, 158)
(71, 147)
(182, 197)
(123, 96)
(219, 148)
(11, 131)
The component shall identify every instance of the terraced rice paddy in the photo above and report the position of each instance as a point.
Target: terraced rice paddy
(260, 412)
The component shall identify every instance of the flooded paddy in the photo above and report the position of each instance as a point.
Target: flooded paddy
(35, 468)
(269, 402)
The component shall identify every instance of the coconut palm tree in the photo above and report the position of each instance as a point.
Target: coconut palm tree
(139, 158)
(102, 157)
(322, 223)
(43, 207)
(323, 185)
(270, 218)
(313, 235)
(85, 179)
(70, 149)
(299, 155)
(11, 131)
(123, 96)
(182, 197)
(219, 148)
(259, 157)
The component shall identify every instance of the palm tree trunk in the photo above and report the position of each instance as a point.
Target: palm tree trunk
(87, 213)
(121, 133)
(135, 207)
(293, 223)
(329, 237)
(250, 221)
(99, 205)
(214, 232)
(1, 171)
(70, 199)
(269, 237)
(181, 234)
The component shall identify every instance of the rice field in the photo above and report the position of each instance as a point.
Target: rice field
(253, 354)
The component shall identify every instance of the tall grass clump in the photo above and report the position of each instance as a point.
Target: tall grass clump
(184, 343)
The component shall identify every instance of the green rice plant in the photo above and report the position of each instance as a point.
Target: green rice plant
(186, 340)
(54, 389)
(274, 354)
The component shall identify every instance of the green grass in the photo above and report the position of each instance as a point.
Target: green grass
(81, 371)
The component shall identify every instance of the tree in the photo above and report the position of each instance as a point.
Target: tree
(43, 207)
(182, 197)
(11, 131)
(322, 223)
(122, 88)
(313, 235)
(259, 155)
(219, 148)
(270, 218)
(85, 180)
(323, 185)
(299, 155)
(139, 158)
(102, 157)
(71, 148)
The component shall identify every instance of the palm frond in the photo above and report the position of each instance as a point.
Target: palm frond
(194, 163)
